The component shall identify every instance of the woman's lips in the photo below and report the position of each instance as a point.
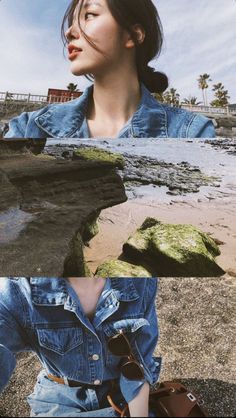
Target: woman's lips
(73, 52)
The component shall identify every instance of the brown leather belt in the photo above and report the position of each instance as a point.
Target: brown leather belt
(75, 383)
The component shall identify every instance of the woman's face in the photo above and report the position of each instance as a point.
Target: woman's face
(102, 29)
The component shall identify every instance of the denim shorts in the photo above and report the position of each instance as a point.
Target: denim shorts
(51, 399)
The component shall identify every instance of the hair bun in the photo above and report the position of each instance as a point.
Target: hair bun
(155, 81)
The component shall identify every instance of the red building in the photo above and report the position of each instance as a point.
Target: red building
(60, 96)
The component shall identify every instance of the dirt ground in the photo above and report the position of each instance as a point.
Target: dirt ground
(197, 340)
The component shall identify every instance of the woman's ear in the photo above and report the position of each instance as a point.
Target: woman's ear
(136, 37)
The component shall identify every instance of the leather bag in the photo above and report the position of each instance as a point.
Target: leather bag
(171, 399)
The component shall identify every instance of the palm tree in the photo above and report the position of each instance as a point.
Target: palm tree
(170, 97)
(203, 85)
(72, 87)
(221, 96)
(191, 100)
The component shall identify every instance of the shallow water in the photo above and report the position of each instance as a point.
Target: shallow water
(12, 222)
(211, 161)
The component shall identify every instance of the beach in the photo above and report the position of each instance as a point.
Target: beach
(116, 224)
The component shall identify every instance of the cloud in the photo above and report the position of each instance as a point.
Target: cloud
(200, 38)
(31, 54)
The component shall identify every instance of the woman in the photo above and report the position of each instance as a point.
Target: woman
(77, 327)
(113, 41)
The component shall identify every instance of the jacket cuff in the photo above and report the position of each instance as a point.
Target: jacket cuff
(131, 388)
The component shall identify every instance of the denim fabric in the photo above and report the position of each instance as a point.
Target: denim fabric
(151, 120)
(45, 316)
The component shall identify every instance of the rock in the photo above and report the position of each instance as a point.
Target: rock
(224, 132)
(47, 207)
(99, 155)
(224, 124)
(180, 178)
(91, 228)
(13, 146)
(173, 250)
(118, 268)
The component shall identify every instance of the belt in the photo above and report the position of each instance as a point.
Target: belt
(75, 383)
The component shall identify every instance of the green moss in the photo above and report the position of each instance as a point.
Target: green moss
(173, 249)
(96, 154)
(91, 228)
(118, 268)
(75, 264)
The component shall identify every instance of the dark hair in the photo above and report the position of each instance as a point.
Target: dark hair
(128, 13)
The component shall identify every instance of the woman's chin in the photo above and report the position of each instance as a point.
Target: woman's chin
(78, 70)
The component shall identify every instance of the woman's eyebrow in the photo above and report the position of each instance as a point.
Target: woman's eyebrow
(91, 3)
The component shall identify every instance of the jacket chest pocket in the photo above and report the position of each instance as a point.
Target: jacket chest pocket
(131, 328)
(60, 341)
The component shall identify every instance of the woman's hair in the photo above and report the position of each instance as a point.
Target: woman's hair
(129, 13)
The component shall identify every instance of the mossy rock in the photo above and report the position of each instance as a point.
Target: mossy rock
(173, 250)
(91, 228)
(99, 155)
(118, 268)
(75, 264)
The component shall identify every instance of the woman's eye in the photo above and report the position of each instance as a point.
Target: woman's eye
(89, 15)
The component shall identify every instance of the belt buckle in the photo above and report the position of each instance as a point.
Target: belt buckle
(66, 381)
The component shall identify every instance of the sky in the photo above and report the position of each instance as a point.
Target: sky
(199, 38)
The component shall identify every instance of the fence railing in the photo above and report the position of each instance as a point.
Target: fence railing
(21, 98)
(209, 109)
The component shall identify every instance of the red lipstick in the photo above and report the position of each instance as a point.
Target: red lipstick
(73, 52)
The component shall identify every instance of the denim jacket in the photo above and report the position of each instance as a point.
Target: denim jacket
(45, 316)
(151, 120)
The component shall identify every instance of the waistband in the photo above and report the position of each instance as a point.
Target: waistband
(74, 383)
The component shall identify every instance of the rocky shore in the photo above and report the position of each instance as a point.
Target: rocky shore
(57, 196)
(196, 321)
(48, 208)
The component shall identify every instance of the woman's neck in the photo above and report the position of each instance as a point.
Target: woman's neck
(86, 284)
(115, 100)
(88, 291)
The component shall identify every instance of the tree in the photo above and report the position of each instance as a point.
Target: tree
(191, 100)
(170, 97)
(203, 85)
(72, 87)
(221, 96)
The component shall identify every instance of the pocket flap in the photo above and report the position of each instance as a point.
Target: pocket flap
(125, 325)
(60, 340)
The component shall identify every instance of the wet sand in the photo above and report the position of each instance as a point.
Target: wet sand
(216, 217)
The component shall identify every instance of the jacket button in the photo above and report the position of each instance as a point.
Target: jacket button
(97, 382)
(95, 357)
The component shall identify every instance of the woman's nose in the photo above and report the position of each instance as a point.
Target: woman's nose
(73, 32)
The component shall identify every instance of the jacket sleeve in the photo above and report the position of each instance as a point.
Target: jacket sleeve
(18, 126)
(11, 333)
(146, 343)
(200, 127)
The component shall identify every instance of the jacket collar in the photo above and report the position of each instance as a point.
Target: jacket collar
(53, 291)
(64, 120)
